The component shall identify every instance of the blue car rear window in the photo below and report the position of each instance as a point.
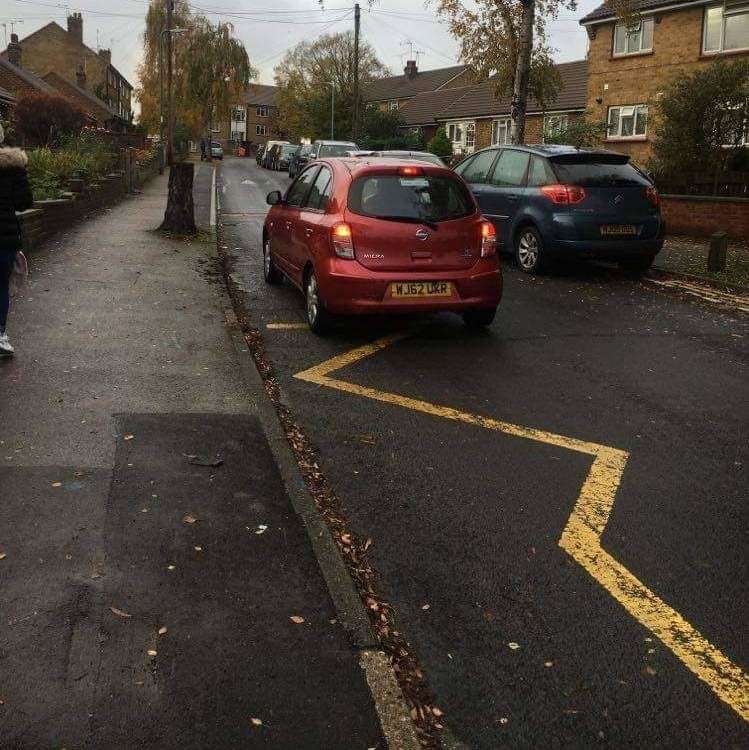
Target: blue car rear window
(599, 174)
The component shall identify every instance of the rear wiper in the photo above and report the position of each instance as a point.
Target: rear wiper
(410, 220)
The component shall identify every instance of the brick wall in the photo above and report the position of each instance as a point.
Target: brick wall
(254, 119)
(701, 216)
(638, 79)
(17, 86)
(48, 218)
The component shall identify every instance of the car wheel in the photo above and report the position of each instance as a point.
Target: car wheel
(318, 318)
(637, 265)
(271, 274)
(529, 250)
(480, 317)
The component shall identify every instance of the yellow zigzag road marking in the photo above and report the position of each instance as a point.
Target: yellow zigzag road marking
(581, 537)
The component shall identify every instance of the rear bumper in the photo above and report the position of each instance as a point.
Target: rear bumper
(562, 240)
(603, 249)
(348, 288)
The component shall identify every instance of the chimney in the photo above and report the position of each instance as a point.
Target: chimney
(14, 51)
(410, 70)
(80, 76)
(75, 27)
(106, 55)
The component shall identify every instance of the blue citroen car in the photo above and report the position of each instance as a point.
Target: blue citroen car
(557, 202)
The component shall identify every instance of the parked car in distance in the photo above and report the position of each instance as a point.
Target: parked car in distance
(560, 202)
(325, 149)
(266, 161)
(261, 149)
(217, 150)
(283, 155)
(299, 159)
(409, 155)
(382, 236)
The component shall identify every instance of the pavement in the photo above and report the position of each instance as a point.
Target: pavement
(557, 506)
(159, 589)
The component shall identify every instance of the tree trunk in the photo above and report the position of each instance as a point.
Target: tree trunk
(179, 216)
(522, 73)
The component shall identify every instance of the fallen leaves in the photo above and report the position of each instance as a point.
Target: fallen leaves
(425, 606)
(129, 437)
(151, 652)
(297, 619)
(514, 646)
(198, 548)
(189, 519)
(162, 630)
(261, 529)
(119, 612)
(3, 555)
(56, 484)
(256, 722)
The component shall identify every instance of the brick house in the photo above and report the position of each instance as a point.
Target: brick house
(262, 114)
(18, 81)
(475, 118)
(94, 107)
(7, 101)
(62, 51)
(629, 68)
(394, 92)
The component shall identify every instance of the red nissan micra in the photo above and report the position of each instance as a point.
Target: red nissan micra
(382, 236)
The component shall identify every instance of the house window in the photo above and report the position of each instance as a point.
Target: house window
(260, 130)
(633, 39)
(501, 131)
(726, 27)
(628, 122)
(470, 135)
(555, 124)
(262, 110)
(237, 114)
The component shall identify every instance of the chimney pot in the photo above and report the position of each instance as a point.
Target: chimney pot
(75, 27)
(411, 69)
(14, 51)
(80, 76)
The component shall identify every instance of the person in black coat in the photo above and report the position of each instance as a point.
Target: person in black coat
(15, 195)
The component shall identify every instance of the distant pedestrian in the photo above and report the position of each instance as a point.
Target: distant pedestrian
(202, 149)
(15, 195)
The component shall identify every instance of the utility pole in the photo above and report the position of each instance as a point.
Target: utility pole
(161, 103)
(169, 100)
(357, 24)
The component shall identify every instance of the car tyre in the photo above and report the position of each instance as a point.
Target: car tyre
(637, 266)
(319, 319)
(529, 250)
(271, 274)
(481, 317)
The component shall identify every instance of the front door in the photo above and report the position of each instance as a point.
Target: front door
(289, 217)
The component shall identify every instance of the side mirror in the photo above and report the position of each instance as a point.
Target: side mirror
(274, 198)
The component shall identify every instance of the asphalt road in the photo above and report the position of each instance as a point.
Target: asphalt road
(634, 636)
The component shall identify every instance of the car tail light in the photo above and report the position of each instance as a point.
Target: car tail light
(564, 194)
(652, 195)
(410, 171)
(488, 239)
(343, 241)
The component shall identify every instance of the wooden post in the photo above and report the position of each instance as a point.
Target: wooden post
(716, 259)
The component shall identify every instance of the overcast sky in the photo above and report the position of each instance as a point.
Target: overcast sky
(269, 27)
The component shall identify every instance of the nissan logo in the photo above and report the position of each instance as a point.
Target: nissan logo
(422, 234)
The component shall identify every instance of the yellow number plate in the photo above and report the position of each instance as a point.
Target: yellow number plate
(421, 289)
(618, 229)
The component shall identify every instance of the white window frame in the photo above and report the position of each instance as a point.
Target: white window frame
(262, 110)
(238, 114)
(735, 8)
(633, 110)
(506, 123)
(458, 132)
(556, 123)
(392, 106)
(261, 129)
(630, 32)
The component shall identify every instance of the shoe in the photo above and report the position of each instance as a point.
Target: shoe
(6, 350)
